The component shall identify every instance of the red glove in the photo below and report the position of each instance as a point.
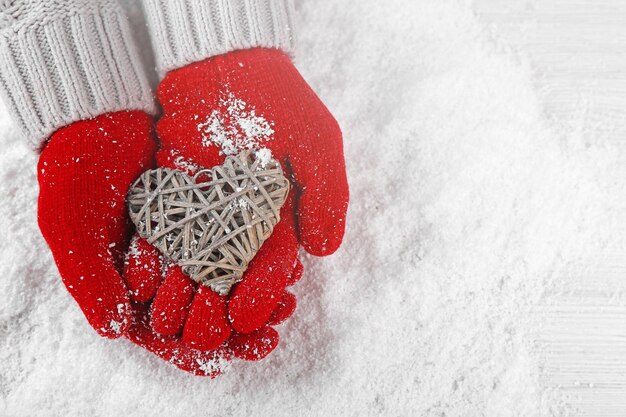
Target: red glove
(84, 174)
(254, 98)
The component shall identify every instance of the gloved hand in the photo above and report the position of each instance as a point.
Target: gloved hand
(246, 99)
(84, 173)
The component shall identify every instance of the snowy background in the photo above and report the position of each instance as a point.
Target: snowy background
(483, 268)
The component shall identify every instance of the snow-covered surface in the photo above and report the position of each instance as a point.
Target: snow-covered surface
(577, 50)
(471, 205)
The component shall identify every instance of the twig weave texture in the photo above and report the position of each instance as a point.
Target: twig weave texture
(214, 223)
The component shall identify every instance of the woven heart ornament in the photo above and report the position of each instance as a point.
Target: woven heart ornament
(214, 223)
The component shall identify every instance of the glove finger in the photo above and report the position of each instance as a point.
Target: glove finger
(284, 309)
(254, 346)
(172, 302)
(174, 350)
(207, 327)
(323, 186)
(253, 299)
(142, 270)
(296, 274)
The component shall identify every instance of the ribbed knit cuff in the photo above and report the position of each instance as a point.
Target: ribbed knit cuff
(186, 31)
(63, 61)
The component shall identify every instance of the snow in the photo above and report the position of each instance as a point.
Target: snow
(235, 126)
(466, 203)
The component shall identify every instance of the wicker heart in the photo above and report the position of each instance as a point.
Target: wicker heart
(213, 224)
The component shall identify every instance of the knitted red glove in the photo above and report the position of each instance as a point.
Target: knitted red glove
(84, 173)
(253, 98)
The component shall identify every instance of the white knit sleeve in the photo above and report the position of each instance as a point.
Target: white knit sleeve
(186, 31)
(63, 61)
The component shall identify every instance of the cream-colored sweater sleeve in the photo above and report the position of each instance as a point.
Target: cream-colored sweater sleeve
(186, 31)
(64, 61)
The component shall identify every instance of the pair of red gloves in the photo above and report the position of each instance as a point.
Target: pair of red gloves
(86, 169)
